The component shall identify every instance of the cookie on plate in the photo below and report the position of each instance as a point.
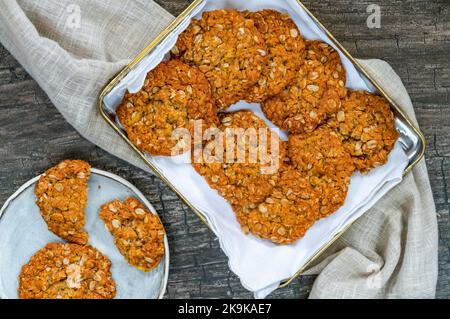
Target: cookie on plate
(174, 95)
(366, 126)
(314, 94)
(242, 160)
(286, 214)
(138, 234)
(67, 271)
(285, 49)
(61, 194)
(228, 48)
(321, 157)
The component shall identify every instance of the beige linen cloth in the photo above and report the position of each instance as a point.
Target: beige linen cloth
(73, 47)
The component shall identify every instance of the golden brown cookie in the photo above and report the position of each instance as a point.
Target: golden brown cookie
(286, 214)
(173, 96)
(61, 194)
(138, 234)
(314, 94)
(366, 126)
(285, 49)
(227, 47)
(248, 166)
(67, 271)
(321, 157)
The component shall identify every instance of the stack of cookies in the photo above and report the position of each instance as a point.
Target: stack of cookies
(260, 57)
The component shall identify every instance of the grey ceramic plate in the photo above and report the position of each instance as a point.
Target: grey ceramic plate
(23, 232)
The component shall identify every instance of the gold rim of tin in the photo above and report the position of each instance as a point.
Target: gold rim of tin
(158, 173)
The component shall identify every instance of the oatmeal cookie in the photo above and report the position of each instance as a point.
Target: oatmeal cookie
(138, 234)
(286, 214)
(321, 157)
(61, 194)
(285, 49)
(228, 48)
(366, 126)
(241, 162)
(67, 271)
(173, 96)
(315, 93)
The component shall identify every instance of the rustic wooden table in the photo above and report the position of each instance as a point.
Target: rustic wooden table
(414, 38)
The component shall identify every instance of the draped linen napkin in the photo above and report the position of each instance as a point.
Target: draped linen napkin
(73, 47)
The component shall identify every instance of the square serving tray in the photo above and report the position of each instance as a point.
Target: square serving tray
(411, 139)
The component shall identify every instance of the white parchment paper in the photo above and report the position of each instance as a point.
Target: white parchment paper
(260, 264)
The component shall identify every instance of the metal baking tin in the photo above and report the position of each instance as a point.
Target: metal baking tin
(127, 184)
(412, 139)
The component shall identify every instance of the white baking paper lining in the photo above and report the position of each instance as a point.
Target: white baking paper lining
(261, 265)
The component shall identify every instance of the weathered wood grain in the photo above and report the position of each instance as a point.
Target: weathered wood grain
(414, 38)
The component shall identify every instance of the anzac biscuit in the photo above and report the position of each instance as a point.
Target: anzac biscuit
(241, 162)
(285, 49)
(227, 47)
(286, 214)
(138, 234)
(67, 271)
(61, 194)
(314, 94)
(173, 96)
(322, 158)
(366, 126)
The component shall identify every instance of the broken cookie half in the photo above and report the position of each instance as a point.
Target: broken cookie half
(61, 194)
(138, 233)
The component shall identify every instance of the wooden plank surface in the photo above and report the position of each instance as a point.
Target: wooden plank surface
(414, 38)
